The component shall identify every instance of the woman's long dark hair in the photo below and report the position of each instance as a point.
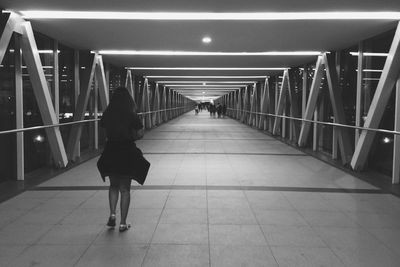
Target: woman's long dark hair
(119, 110)
(121, 101)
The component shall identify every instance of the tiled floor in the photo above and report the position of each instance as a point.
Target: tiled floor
(218, 194)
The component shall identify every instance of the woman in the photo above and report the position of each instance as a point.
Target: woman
(121, 158)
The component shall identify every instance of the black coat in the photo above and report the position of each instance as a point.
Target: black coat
(121, 157)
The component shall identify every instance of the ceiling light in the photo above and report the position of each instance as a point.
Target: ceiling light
(206, 40)
(107, 15)
(200, 68)
(206, 77)
(368, 54)
(226, 82)
(198, 53)
(370, 70)
(204, 92)
(208, 85)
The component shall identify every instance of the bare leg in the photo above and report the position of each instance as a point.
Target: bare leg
(124, 189)
(113, 194)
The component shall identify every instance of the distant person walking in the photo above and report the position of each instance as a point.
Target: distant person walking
(121, 160)
(219, 110)
(224, 111)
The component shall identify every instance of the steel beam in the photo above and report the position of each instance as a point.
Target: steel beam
(337, 107)
(76, 129)
(279, 110)
(312, 101)
(381, 97)
(42, 94)
(396, 144)
(19, 106)
(359, 96)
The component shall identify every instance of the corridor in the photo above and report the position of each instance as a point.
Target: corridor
(218, 193)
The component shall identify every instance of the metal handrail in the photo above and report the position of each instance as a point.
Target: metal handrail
(73, 122)
(320, 122)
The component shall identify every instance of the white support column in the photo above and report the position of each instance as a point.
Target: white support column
(315, 131)
(13, 24)
(294, 109)
(264, 105)
(19, 106)
(96, 111)
(253, 101)
(304, 93)
(279, 110)
(359, 96)
(396, 144)
(76, 129)
(129, 82)
(42, 94)
(77, 86)
(102, 82)
(383, 92)
(312, 102)
(56, 80)
(337, 108)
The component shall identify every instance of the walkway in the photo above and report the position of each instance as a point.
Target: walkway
(218, 194)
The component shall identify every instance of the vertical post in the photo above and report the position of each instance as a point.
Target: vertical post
(304, 92)
(359, 96)
(396, 144)
(56, 80)
(19, 105)
(77, 86)
(96, 111)
(315, 131)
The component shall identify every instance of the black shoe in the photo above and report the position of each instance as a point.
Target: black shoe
(124, 227)
(111, 221)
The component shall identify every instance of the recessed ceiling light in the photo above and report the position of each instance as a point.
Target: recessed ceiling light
(206, 39)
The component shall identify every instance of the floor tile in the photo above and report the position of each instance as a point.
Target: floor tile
(177, 255)
(302, 236)
(230, 256)
(181, 234)
(236, 235)
(49, 255)
(113, 255)
(306, 257)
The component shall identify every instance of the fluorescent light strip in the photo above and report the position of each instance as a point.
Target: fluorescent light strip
(227, 82)
(202, 89)
(369, 54)
(206, 77)
(370, 70)
(190, 68)
(207, 85)
(110, 15)
(199, 53)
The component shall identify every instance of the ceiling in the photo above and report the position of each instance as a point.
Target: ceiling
(227, 36)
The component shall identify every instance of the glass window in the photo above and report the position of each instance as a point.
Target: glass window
(7, 116)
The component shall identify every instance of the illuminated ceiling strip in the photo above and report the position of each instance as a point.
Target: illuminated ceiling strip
(369, 54)
(110, 15)
(200, 53)
(370, 70)
(205, 77)
(190, 68)
(205, 86)
(227, 82)
(205, 89)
